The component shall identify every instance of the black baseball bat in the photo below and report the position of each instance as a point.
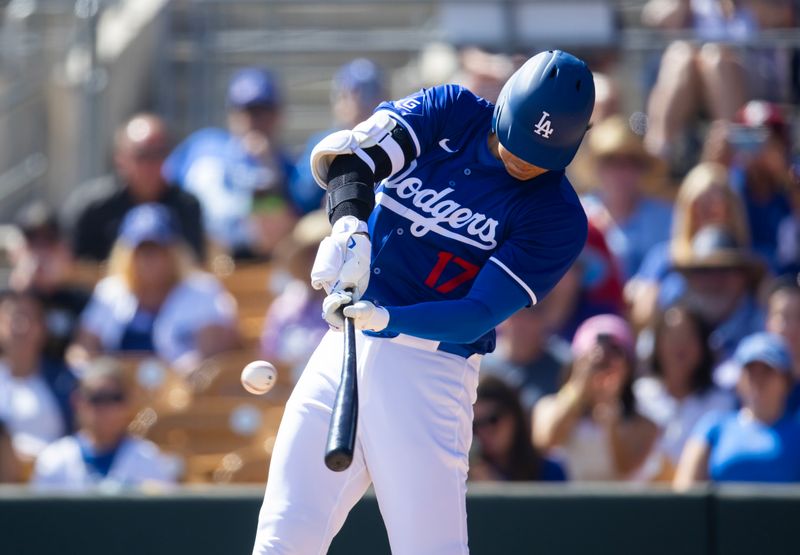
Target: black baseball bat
(342, 431)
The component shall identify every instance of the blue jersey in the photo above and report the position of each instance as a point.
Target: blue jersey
(213, 165)
(744, 450)
(455, 209)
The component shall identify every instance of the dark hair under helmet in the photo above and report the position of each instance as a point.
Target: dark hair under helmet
(543, 110)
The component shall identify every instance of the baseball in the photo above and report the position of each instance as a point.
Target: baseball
(259, 376)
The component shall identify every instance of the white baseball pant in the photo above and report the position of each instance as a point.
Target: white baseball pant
(413, 439)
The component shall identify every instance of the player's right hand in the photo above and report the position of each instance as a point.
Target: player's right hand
(343, 258)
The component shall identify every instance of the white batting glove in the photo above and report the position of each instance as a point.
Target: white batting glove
(365, 315)
(332, 308)
(368, 316)
(343, 258)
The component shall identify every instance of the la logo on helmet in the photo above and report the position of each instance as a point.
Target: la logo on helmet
(544, 128)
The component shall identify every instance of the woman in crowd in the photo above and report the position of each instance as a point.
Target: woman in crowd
(705, 198)
(761, 441)
(292, 327)
(783, 318)
(102, 452)
(34, 390)
(154, 300)
(680, 390)
(501, 446)
(593, 420)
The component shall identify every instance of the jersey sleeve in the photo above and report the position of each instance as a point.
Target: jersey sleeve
(544, 242)
(430, 114)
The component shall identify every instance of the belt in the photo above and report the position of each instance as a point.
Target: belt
(457, 349)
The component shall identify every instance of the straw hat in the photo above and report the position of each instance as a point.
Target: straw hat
(614, 137)
(715, 248)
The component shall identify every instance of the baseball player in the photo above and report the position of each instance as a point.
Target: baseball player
(471, 220)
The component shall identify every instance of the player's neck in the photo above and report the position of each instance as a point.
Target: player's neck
(493, 143)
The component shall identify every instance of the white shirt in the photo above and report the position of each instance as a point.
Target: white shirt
(676, 418)
(587, 453)
(195, 303)
(30, 411)
(137, 462)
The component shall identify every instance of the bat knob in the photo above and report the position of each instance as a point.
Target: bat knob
(338, 460)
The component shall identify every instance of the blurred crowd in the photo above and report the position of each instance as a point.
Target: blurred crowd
(669, 353)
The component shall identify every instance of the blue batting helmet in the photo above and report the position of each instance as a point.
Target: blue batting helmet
(544, 109)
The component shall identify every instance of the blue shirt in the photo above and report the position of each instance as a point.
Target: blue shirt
(763, 217)
(97, 462)
(454, 210)
(213, 165)
(630, 240)
(745, 450)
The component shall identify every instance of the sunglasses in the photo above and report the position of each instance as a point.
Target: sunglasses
(150, 155)
(104, 398)
(490, 420)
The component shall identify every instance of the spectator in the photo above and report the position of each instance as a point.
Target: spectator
(528, 357)
(501, 447)
(607, 101)
(102, 453)
(761, 441)
(721, 280)
(484, 73)
(783, 319)
(42, 263)
(592, 286)
(96, 209)
(154, 300)
(680, 390)
(593, 421)
(9, 464)
(714, 76)
(357, 88)
(704, 198)
(241, 174)
(761, 172)
(292, 327)
(34, 391)
(788, 253)
(631, 221)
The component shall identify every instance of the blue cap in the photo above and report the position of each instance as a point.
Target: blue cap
(544, 108)
(768, 348)
(362, 77)
(148, 223)
(251, 87)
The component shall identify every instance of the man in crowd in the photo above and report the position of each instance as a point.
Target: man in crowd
(96, 209)
(721, 279)
(528, 357)
(42, 263)
(102, 452)
(241, 174)
(631, 221)
(357, 88)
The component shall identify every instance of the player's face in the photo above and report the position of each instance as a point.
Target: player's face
(517, 167)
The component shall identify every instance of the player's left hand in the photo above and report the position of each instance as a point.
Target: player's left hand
(365, 315)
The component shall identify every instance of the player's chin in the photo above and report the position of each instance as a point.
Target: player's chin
(522, 175)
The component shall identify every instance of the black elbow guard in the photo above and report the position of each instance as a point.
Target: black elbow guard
(351, 188)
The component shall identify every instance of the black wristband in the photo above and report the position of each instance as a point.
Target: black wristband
(351, 189)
